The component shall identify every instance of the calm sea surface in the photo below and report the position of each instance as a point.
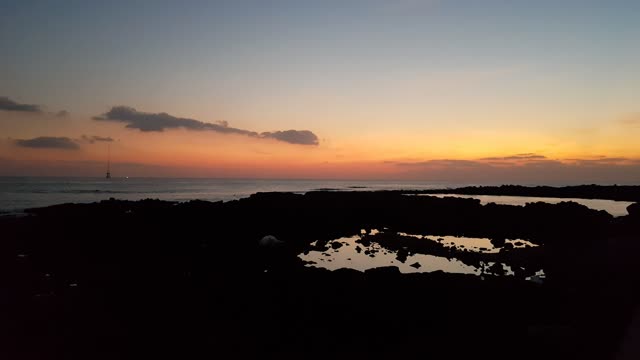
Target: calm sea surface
(19, 193)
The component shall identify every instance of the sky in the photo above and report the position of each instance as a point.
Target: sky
(443, 90)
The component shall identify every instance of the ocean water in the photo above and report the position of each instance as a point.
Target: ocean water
(615, 208)
(19, 193)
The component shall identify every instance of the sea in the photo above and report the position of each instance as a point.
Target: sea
(20, 193)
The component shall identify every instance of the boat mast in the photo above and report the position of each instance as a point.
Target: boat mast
(109, 161)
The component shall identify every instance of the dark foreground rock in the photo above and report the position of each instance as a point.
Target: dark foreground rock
(148, 279)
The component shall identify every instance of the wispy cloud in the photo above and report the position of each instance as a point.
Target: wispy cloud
(529, 170)
(7, 104)
(48, 142)
(94, 139)
(632, 120)
(301, 137)
(441, 163)
(148, 122)
(144, 121)
(604, 161)
(527, 156)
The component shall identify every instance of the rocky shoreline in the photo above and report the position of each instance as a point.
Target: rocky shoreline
(124, 279)
(604, 192)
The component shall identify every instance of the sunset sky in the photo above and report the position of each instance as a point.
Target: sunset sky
(442, 90)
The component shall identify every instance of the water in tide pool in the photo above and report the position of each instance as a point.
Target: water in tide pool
(19, 193)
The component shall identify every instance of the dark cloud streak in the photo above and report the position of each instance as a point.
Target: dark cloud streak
(48, 142)
(533, 170)
(158, 122)
(94, 139)
(10, 105)
(528, 156)
(301, 137)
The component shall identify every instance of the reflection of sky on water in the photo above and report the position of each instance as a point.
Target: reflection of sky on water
(615, 208)
(483, 245)
(347, 256)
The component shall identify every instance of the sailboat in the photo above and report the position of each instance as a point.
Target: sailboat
(109, 163)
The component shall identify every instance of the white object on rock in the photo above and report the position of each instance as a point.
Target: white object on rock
(270, 241)
(536, 279)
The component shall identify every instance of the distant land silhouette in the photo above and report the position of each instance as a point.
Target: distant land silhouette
(612, 192)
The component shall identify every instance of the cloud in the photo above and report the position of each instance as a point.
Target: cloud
(527, 156)
(158, 122)
(301, 137)
(604, 161)
(62, 113)
(48, 142)
(10, 105)
(162, 121)
(442, 163)
(633, 120)
(94, 139)
(535, 171)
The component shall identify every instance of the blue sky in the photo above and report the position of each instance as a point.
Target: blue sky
(210, 48)
(560, 73)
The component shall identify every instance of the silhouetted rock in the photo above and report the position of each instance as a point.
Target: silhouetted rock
(416, 265)
(402, 255)
(615, 192)
(634, 210)
(498, 242)
(321, 245)
(346, 272)
(497, 269)
(384, 271)
(156, 276)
